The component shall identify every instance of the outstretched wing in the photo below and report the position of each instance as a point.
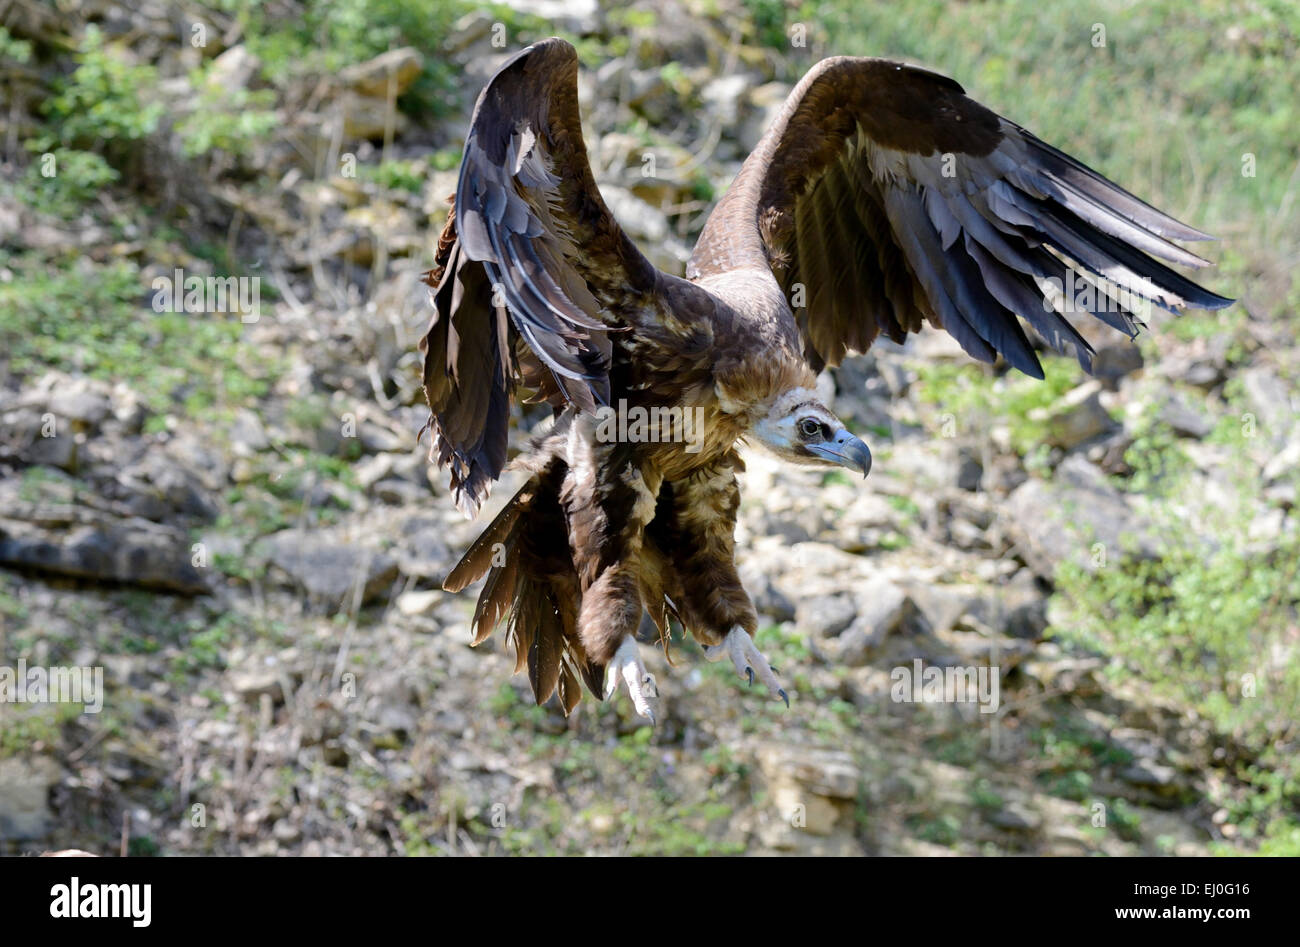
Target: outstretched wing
(531, 271)
(889, 197)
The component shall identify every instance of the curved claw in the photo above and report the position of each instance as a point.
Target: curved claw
(748, 661)
(641, 686)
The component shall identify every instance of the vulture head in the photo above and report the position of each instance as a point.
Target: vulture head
(800, 429)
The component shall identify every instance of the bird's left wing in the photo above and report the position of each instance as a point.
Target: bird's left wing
(882, 196)
(531, 271)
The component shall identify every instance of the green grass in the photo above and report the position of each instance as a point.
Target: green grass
(78, 316)
(1207, 624)
(969, 397)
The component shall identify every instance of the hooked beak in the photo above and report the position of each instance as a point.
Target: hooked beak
(846, 450)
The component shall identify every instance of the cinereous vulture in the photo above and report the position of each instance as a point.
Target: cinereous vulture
(881, 198)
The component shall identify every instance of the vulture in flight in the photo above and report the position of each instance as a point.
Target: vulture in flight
(881, 198)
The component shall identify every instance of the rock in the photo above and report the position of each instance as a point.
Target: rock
(33, 438)
(942, 605)
(393, 728)
(767, 598)
(287, 831)
(1283, 465)
(1269, 399)
(1116, 360)
(372, 469)
(327, 568)
(200, 459)
(397, 69)
(367, 117)
(252, 682)
(472, 28)
(1077, 417)
(1028, 620)
(724, 96)
(825, 615)
(828, 773)
(881, 608)
(399, 492)
(158, 487)
(418, 602)
(1017, 817)
(247, 434)
(645, 90)
(1150, 774)
(765, 103)
(812, 792)
(81, 400)
(1018, 608)
(424, 553)
(637, 217)
(577, 16)
(1183, 419)
(379, 439)
(128, 549)
(1201, 365)
(970, 469)
(233, 69)
(1065, 519)
(25, 786)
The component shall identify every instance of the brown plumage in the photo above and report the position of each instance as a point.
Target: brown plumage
(881, 198)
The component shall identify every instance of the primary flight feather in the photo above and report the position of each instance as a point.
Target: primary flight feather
(880, 199)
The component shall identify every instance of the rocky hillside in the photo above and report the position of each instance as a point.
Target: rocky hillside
(226, 506)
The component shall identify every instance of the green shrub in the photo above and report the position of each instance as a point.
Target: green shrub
(329, 35)
(230, 120)
(105, 99)
(63, 180)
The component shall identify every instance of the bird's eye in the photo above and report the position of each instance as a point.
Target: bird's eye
(810, 427)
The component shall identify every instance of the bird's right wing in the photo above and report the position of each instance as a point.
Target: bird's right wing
(531, 271)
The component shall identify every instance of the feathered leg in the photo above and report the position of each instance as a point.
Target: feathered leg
(695, 528)
(609, 498)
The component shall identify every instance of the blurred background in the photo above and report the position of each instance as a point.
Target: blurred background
(223, 504)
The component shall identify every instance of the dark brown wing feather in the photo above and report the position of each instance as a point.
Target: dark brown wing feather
(891, 198)
(532, 270)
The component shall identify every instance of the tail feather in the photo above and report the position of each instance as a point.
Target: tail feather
(530, 576)
(481, 555)
(495, 600)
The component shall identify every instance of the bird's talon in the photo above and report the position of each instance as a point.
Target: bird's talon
(748, 661)
(640, 683)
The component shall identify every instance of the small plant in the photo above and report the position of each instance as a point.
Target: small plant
(61, 180)
(399, 175)
(229, 120)
(106, 99)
